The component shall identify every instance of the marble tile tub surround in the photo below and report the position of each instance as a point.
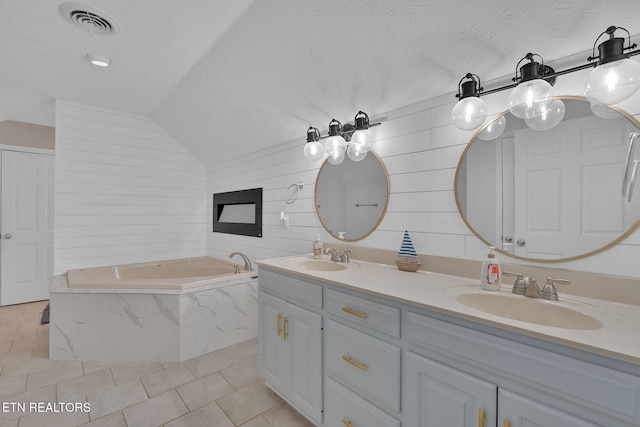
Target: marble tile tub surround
(220, 389)
(591, 285)
(150, 325)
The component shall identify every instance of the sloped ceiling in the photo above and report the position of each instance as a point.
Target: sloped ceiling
(229, 77)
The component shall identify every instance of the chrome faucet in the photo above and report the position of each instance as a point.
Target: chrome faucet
(528, 286)
(549, 291)
(334, 254)
(531, 288)
(247, 263)
(518, 285)
(337, 256)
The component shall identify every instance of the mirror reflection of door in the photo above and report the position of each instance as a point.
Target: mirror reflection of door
(506, 206)
(550, 195)
(562, 187)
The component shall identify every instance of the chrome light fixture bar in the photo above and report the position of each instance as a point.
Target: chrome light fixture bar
(613, 79)
(354, 141)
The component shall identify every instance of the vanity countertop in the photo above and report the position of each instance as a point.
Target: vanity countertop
(616, 339)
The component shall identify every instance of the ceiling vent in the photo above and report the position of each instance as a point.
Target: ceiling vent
(89, 19)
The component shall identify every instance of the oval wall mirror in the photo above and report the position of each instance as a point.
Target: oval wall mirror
(550, 195)
(351, 198)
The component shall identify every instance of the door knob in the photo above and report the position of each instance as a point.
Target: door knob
(7, 236)
(521, 242)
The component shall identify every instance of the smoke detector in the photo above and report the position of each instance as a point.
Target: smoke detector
(89, 19)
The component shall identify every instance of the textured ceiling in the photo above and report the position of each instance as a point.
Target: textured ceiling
(228, 77)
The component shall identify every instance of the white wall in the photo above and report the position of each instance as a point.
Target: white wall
(125, 191)
(421, 149)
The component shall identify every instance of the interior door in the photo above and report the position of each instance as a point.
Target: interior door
(26, 245)
(552, 220)
(505, 206)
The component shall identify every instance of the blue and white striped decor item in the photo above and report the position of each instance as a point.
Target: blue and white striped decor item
(407, 248)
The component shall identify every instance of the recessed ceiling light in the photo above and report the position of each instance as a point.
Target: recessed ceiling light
(98, 60)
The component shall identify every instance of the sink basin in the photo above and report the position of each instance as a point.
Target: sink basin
(531, 310)
(316, 264)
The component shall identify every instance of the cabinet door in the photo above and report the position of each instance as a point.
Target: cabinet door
(272, 351)
(517, 411)
(435, 395)
(303, 342)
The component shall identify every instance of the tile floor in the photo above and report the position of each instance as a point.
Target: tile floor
(219, 389)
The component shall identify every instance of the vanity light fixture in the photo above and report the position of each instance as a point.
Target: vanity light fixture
(494, 129)
(313, 149)
(362, 138)
(335, 145)
(471, 111)
(548, 119)
(614, 79)
(532, 96)
(342, 140)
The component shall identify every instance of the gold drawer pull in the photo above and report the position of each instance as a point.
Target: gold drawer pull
(286, 321)
(279, 327)
(506, 423)
(346, 422)
(352, 312)
(481, 417)
(356, 364)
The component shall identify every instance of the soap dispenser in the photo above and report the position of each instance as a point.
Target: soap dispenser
(491, 274)
(317, 247)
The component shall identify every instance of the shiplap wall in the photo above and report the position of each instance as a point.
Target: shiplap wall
(126, 191)
(421, 149)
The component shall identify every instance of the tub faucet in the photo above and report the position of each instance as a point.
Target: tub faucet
(247, 263)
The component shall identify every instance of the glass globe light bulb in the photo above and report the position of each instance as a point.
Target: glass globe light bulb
(357, 152)
(469, 113)
(549, 119)
(335, 145)
(363, 137)
(603, 111)
(313, 150)
(530, 98)
(336, 158)
(494, 130)
(613, 82)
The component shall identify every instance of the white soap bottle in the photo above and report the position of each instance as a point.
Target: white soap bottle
(491, 273)
(317, 247)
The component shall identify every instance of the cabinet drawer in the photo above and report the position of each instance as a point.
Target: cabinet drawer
(368, 365)
(343, 408)
(360, 311)
(290, 288)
